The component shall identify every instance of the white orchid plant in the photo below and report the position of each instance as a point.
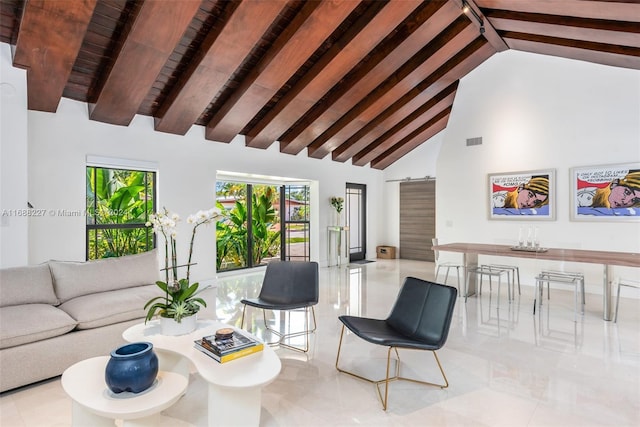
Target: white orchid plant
(180, 298)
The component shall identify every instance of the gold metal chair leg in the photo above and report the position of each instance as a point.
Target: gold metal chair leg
(388, 378)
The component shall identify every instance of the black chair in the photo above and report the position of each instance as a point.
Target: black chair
(419, 320)
(288, 285)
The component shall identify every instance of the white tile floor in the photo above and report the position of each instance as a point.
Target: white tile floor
(505, 367)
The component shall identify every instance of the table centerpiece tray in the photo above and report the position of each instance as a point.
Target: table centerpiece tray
(528, 249)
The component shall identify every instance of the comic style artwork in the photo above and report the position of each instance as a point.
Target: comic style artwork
(519, 194)
(606, 192)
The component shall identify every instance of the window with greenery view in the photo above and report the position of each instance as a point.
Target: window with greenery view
(253, 233)
(119, 203)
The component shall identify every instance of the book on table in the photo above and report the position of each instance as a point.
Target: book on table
(228, 348)
(224, 345)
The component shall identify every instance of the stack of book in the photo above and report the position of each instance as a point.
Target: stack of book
(227, 348)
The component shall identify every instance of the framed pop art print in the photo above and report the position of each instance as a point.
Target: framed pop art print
(605, 193)
(526, 195)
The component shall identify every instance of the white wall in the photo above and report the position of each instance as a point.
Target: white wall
(420, 163)
(13, 163)
(44, 159)
(59, 143)
(536, 112)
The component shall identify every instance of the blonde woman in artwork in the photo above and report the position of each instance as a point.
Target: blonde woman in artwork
(531, 194)
(620, 193)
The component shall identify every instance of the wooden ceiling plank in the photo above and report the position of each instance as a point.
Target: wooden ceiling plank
(381, 64)
(220, 56)
(448, 74)
(360, 39)
(401, 122)
(625, 58)
(302, 37)
(386, 125)
(50, 37)
(395, 92)
(594, 9)
(483, 24)
(413, 140)
(371, 153)
(600, 31)
(157, 28)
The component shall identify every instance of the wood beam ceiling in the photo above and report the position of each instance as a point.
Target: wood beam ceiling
(365, 81)
(48, 43)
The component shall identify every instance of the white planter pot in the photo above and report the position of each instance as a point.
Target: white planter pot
(168, 326)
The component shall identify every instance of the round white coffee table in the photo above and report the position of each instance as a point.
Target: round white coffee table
(95, 405)
(235, 388)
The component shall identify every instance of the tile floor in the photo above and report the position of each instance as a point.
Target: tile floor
(505, 366)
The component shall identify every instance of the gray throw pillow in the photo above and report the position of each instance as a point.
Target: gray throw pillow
(26, 285)
(74, 279)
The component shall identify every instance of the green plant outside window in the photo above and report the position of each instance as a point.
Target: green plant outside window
(118, 205)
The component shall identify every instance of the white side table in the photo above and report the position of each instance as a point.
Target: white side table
(96, 406)
(235, 388)
(338, 246)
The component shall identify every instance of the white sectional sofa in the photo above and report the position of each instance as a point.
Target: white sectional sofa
(55, 314)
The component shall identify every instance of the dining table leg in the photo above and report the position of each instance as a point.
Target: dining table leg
(607, 312)
(470, 262)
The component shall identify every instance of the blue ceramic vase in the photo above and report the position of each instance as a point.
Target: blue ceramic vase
(132, 367)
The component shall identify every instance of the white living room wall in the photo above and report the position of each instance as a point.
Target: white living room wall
(535, 112)
(187, 166)
(44, 159)
(14, 244)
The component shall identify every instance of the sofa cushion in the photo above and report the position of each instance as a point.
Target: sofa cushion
(106, 308)
(74, 279)
(26, 285)
(27, 323)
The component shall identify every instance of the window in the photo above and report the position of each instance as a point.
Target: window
(119, 203)
(296, 222)
(274, 225)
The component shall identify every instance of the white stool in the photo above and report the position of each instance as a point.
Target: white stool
(490, 272)
(624, 282)
(513, 270)
(447, 265)
(565, 278)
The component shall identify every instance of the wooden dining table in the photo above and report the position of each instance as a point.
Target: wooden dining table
(607, 259)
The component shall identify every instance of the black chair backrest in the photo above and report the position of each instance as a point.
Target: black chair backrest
(423, 311)
(291, 282)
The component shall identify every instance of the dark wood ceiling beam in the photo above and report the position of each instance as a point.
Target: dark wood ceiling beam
(382, 62)
(595, 9)
(219, 57)
(394, 93)
(50, 37)
(369, 30)
(468, 59)
(369, 154)
(152, 37)
(413, 140)
(601, 53)
(594, 30)
(309, 29)
(404, 126)
(484, 25)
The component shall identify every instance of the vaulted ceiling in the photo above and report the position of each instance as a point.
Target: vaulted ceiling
(365, 81)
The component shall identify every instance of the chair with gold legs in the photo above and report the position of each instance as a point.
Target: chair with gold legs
(419, 320)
